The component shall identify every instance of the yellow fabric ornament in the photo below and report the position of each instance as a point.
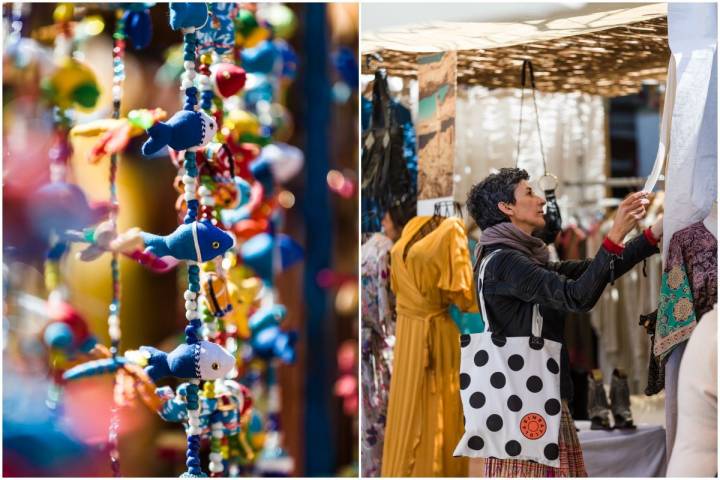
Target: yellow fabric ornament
(73, 84)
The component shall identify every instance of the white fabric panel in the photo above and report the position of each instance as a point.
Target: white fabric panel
(573, 135)
(623, 453)
(691, 185)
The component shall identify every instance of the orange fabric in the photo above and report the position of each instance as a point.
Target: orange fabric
(424, 419)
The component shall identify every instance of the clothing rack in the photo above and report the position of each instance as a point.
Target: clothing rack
(611, 182)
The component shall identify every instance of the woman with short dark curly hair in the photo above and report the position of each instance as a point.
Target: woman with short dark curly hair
(520, 276)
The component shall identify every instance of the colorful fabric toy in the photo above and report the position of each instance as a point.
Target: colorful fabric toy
(138, 25)
(73, 84)
(188, 15)
(228, 79)
(217, 294)
(185, 130)
(198, 241)
(218, 33)
(260, 59)
(116, 133)
(267, 340)
(67, 330)
(203, 360)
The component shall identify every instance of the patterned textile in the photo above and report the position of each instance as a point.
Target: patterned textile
(689, 287)
(571, 457)
(378, 338)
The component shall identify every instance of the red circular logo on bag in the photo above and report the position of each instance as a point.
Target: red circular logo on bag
(533, 426)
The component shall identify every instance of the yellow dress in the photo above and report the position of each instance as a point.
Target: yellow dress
(425, 419)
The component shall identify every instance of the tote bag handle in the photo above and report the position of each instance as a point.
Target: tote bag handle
(537, 318)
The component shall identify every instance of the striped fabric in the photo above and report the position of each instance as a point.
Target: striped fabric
(571, 457)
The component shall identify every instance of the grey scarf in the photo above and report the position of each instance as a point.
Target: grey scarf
(508, 234)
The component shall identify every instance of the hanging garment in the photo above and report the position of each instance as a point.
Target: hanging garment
(621, 342)
(424, 419)
(372, 212)
(378, 338)
(689, 286)
(691, 170)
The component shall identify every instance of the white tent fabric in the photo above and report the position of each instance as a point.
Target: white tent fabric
(447, 36)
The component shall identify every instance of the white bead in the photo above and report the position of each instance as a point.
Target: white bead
(116, 91)
(186, 84)
(216, 467)
(189, 196)
(188, 180)
(188, 30)
(189, 65)
(217, 434)
(191, 314)
(190, 74)
(194, 422)
(216, 457)
(194, 431)
(190, 305)
(114, 332)
(190, 295)
(204, 191)
(114, 320)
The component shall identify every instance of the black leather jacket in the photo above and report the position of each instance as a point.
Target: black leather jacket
(514, 283)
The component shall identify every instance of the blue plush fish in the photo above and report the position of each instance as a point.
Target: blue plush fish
(185, 129)
(260, 58)
(272, 342)
(197, 241)
(266, 317)
(188, 15)
(205, 360)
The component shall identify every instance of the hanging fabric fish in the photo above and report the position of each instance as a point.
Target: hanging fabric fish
(204, 360)
(198, 241)
(185, 15)
(185, 130)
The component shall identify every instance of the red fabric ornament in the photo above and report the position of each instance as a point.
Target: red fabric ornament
(228, 79)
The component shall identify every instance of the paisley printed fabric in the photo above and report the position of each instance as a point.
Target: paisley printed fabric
(378, 338)
(689, 287)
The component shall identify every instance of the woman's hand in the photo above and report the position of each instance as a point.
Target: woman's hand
(657, 228)
(628, 213)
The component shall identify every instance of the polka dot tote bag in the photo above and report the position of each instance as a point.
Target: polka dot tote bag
(510, 391)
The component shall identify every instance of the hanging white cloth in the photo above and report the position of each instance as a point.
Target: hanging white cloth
(691, 175)
(573, 135)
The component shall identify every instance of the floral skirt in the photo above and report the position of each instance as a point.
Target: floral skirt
(571, 457)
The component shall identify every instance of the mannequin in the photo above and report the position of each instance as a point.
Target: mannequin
(710, 221)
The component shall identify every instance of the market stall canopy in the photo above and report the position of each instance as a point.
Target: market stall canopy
(607, 53)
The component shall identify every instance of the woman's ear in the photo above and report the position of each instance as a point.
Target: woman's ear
(505, 208)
